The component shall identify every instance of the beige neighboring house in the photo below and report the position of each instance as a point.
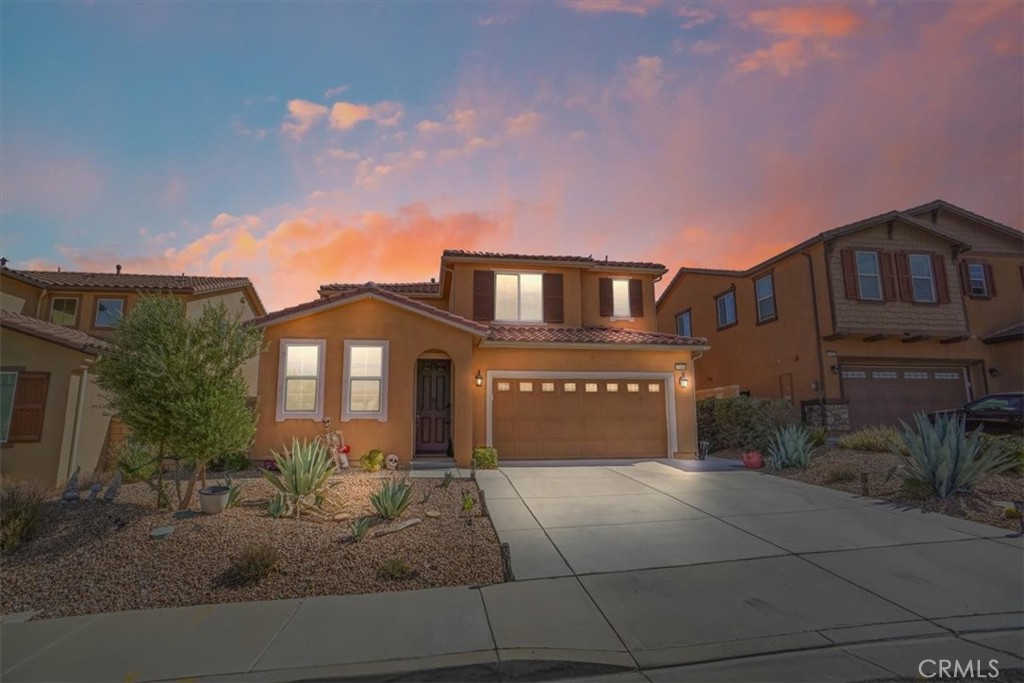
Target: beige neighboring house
(55, 325)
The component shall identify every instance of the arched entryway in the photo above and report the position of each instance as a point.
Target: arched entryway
(432, 429)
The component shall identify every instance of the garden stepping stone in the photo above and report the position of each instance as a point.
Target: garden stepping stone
(433, 513)
(185, 514)
(162, 532)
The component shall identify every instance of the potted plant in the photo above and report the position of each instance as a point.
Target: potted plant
(214, 499)
(753, 460)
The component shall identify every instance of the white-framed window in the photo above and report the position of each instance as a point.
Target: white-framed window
(64, 310)
(977, 282)
(300, 384)
(547, 387)
(8, 384)
(620, 298)
(684, 324)
(764, 292)
(364, 394)
(569, 387)
(921, 277)
(653, 388)
(590, 387)
(726, 306)
(525, 387)
(108, 312)
(519, 297)
(612, 387)
(869, 275)
(504, 386)
(632, 387)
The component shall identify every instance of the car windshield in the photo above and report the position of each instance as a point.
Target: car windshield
(997, 404)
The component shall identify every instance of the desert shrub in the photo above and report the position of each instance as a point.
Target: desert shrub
(303, 475)
(447, 480)
(818, 436)
(254, 562)
(234, 491)
(790, 447)
(485, 457)
(468, 501)
(392, 498)
(359, 527)
(230, 462)
(1011, 512)
(841, 473)
(947, 459)
(137, 461)
(742, 422)
(279, 505)
(21, 506)
(878, 439)
(1012, 444)
(372, 461)
(394, 568)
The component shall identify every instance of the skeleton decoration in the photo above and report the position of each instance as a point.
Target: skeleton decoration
(391, 461)
(336, 446)
(71, 490)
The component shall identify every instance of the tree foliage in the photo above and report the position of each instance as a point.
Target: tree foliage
(178, 382)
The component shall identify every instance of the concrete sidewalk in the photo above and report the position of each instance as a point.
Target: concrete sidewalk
(641, 572)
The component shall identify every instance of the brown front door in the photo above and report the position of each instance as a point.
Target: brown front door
(433, 406)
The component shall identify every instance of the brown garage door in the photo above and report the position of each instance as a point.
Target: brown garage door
(579, 418)
(882, 395)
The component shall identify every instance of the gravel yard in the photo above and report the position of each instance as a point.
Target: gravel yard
(826, 468)
(99, 557)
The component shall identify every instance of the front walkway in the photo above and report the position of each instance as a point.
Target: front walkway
(657, 573)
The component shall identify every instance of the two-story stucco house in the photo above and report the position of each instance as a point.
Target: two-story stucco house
(539, 356)
(53, 326)
(913, 310)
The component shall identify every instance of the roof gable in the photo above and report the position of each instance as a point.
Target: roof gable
(51, 332)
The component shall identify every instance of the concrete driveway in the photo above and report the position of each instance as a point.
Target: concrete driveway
(643, 570)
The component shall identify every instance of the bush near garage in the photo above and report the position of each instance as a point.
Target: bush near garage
(877, 439)
(742, 422)
(485, 457)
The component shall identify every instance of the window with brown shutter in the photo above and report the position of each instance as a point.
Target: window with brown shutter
(976, 280)
(29, 407)
(849, 274)
(941, 281)
(903, 275)
(483, 295)
(890, 286)
(636, 298)
(553, 299)
(607, 303)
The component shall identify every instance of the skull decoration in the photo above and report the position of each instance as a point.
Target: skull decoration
(391, 461)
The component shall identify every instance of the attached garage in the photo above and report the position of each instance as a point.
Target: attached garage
(884, 394)
(548, 415)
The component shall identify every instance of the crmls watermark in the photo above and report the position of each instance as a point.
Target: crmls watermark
(954, 668)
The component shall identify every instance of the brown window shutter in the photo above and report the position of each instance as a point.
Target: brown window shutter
(849, 274)
(965, 279)
(941, 281)
(604, 290)
(636, 298)
(29, 406)
(553, 304)
(890, 288)
(483, 295)
(990, 281)
(903, 274)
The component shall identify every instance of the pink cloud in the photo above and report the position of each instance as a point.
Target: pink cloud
(345, 115)
(523, 124)
(638, 8)
(302, 115)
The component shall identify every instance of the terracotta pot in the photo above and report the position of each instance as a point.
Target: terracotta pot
(753, 460)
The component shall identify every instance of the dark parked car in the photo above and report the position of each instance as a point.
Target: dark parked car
(996, 413)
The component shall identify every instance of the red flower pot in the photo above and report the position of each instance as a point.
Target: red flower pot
(753, 460)
(346, 448)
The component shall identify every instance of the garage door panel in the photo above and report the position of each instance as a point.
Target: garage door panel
(883, 395)
(534, 419)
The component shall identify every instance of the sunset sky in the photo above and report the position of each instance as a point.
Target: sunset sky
(306, 143)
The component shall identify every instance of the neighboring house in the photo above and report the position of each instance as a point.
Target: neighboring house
(54, 325)
(539, 356)
(907, 311)
(51, 415)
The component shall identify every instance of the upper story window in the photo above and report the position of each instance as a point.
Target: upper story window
(300, 386)
(764, 293)
(869, 275)
(726, 306)
(621, 297)
(519, 297)
(365, 391)
(684, 324)
(978, 282)
(64, 311)
(922, 279)
(108, 311)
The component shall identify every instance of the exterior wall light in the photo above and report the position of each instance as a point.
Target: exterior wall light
(683, 380)
(479, 379)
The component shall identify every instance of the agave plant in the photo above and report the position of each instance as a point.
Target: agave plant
(359, 527)
(279, 505)
(943, 456)
(392, 498)
(302, 477)
(791, 446)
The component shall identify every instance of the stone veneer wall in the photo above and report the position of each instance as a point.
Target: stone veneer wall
(837, 414)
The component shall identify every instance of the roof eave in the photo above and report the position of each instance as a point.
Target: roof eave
(593, 346)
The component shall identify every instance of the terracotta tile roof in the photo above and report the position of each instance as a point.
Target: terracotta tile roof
(370, 289)
(399, 287)
(587, 335)
(192, 284)
(58, 334)
(582, 260)
(1008, 334)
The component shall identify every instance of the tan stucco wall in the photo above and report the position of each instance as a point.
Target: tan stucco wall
(18, 296)
(1006, 308)
(410, 335)
(42, 460)
(591, 301)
